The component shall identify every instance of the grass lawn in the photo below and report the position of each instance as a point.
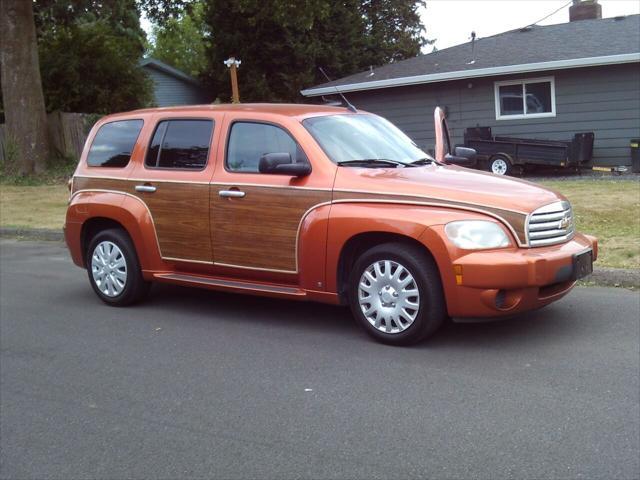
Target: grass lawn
(42, 206)
(610, 210)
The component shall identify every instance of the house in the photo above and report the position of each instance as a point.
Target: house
(545, 82)
(173, 87)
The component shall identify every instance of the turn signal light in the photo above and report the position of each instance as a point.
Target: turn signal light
(457, 269)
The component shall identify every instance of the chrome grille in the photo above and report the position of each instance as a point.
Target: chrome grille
(550, 224)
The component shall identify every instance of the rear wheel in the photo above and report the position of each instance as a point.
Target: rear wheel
(500, 165)
(114, 270)
(396, 294)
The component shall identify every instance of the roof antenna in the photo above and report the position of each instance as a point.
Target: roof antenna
(473, 49)
(350, 107)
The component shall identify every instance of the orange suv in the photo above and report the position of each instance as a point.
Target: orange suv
(315, 203)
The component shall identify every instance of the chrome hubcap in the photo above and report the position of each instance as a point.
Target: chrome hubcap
(109, 268)
(499, 166)
(388, 296)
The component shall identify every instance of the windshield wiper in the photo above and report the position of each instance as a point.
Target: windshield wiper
(374, 161)
(423, 161)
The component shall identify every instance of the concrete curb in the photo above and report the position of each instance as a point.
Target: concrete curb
(614, 277)
(46, 234)
(602, 276)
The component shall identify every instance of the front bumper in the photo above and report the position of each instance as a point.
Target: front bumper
(504, 282)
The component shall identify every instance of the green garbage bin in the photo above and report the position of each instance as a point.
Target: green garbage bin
(635, 155)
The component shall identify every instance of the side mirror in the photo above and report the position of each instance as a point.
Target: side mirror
(463, 156)
(282, 164)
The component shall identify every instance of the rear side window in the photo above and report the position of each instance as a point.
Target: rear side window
(182, 144)
(113, 144)
(249, 141)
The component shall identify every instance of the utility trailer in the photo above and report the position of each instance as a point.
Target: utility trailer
(508, 155)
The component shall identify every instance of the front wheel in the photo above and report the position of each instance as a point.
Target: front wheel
(395, 293)
(114, 269)
(500, 165)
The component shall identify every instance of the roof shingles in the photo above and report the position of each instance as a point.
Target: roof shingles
(536, 44)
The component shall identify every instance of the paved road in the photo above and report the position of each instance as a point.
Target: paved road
(201, 384)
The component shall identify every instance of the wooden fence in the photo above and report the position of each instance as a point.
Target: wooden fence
(67, 133)
(1, 143)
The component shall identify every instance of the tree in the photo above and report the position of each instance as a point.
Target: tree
(88, 67)
(25, 115)
(283, 42)
(89, 54)
(182, 40)
(122, 15)
(393, 30)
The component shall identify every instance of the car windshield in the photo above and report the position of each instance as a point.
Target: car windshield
(345, 138)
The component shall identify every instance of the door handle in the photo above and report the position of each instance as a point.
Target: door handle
(231, 193)
(145, 188)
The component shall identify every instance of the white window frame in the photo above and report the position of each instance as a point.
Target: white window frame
(523, 82)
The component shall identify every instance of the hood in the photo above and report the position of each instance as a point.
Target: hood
(448, 183)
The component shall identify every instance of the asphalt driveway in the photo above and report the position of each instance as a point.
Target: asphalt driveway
(201, 384)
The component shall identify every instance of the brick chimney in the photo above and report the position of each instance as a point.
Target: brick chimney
(585, 10)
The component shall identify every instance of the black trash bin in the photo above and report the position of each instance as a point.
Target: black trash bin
(635, 155)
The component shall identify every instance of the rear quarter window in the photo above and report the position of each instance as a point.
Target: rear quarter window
(113, 144)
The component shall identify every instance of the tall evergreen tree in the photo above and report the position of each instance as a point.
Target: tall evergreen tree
(393, 30)
(283, 42)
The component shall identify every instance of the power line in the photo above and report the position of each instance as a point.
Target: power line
(551, 14)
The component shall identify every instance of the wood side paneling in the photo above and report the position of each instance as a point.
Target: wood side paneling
(515, 219)
(260, 230)
(91, 183)
(181, 216)
(180, 213)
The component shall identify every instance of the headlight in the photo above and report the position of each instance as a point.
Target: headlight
(476, 234)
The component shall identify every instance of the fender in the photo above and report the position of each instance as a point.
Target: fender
(424, 224)
(128, 210)
(312, 251)
(506, 155)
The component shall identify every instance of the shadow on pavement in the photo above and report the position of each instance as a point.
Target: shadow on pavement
(550, 324)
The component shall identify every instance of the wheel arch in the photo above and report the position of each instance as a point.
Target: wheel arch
(94, 225)
(506, 156)
(103, 210)
(359, 243)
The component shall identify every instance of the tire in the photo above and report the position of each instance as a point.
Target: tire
(518, 170)
(122, 284)
(386, 324)
(500, 165)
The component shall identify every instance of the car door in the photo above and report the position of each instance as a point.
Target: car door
(256, 217)
(173, 182)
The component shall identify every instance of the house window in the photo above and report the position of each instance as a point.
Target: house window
(531, 98)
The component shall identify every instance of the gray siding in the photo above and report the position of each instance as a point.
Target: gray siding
(605, 100)
(170, 91)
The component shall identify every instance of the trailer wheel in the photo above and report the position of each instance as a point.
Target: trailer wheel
(500, 165)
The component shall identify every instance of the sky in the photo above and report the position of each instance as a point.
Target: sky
(451, 22)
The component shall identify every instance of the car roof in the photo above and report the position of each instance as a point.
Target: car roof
(283, 109)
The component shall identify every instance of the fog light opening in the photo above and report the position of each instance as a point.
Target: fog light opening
(501, 297)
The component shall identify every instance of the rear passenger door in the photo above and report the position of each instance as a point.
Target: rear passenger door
(173, 181)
